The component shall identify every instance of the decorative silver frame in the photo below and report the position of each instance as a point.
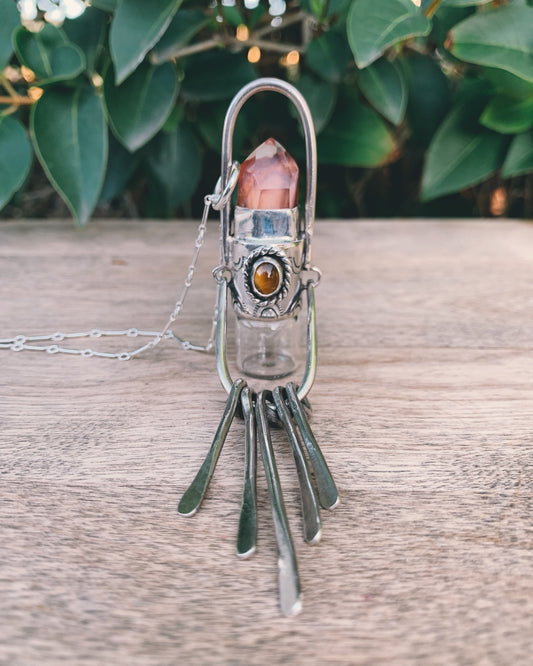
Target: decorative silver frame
(227, 173)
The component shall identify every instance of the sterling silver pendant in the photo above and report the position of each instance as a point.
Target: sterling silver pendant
(266, 274)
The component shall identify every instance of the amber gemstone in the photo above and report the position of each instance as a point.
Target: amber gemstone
(266, 278)
(268, 178)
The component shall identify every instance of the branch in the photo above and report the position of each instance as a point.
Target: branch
(287, 20)
(17, 100)
(12, 99)
(207, 45)
(432, 8)
(6, 83)
(264, 44)
(238, 44)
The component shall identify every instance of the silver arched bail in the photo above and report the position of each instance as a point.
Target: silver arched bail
(281, 239)
(296, 97)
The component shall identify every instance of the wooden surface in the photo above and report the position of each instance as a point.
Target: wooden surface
(423, 406)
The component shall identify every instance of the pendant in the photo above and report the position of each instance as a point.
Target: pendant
(265, 273)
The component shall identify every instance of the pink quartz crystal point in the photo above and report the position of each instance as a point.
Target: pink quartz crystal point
(268, 178)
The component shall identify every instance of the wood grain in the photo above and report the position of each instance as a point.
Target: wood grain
(423, 406)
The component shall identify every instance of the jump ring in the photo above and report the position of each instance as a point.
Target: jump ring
(222, 273)
(221, 197)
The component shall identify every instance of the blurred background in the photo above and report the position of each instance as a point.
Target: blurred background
(115, 108)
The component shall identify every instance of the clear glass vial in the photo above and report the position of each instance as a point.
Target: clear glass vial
(268, 349)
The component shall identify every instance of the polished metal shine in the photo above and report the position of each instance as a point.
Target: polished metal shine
(253, 237)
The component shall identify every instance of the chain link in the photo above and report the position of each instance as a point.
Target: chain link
(25, 343)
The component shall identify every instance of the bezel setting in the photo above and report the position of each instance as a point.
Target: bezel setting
(280, 262)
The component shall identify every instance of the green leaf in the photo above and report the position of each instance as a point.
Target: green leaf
(429, 96)
(501, 38)
(462, 153)
(88, 32)
(374, 26)
(15, 157)
(210, 122)
(231, 15)
(318, 7)
(215, 75)
(174, 118)
(519, 159)
(443, 21)
(49, 54)
(464, 3)
(137, 25)
(185, 24)
(321, 98)
(9, 20)
(106, 5)
(356, 136)
(383, 84)
(70, 139)
(328, 56)
(338, 7)
(508, 84)
(138, 107)
(507, 115)
(174, 164)
(121, 165)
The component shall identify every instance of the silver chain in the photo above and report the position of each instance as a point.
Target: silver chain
(25, 343)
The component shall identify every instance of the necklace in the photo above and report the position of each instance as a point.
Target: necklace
(265, 272)
(27, 343)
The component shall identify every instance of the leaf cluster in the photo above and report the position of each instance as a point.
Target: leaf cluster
(131, 95)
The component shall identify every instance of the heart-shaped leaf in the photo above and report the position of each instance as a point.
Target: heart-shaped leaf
(15, 157)
(519, 159)
(70, 139)
(137, 25)
(372, 27)
(383, 84)
(462, 153)
(501, 38)
(355, 136)
(9, 20)
(49, 54)
(138, 107)
(508, 115)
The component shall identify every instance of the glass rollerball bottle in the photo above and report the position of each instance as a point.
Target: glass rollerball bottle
(266, 258)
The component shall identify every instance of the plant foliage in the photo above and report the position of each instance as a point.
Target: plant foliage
(425, 102)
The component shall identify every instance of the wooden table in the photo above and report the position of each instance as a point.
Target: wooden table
(423, 406)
